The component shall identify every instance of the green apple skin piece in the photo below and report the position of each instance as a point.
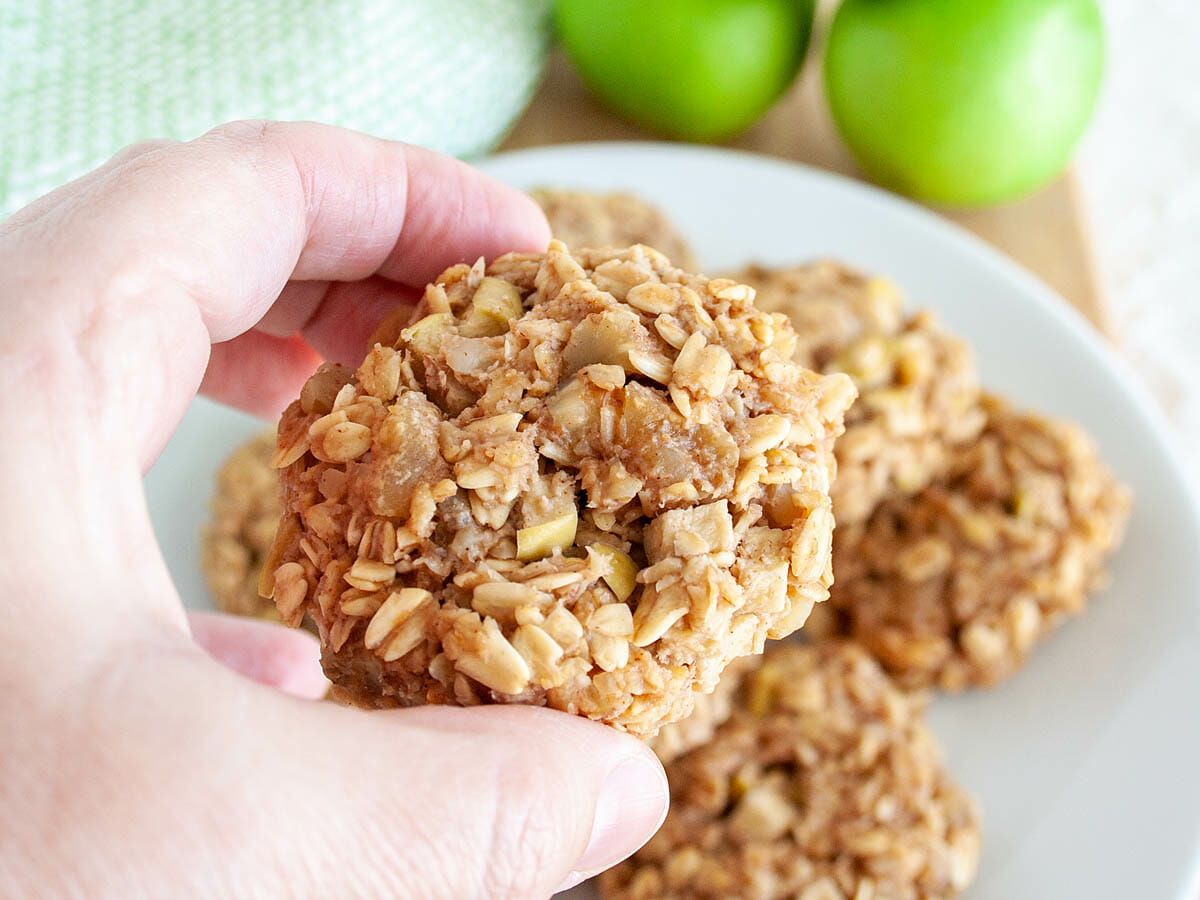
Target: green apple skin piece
(964, 102)
(698, 70)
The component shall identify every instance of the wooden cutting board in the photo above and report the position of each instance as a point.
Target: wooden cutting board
(1045, 232)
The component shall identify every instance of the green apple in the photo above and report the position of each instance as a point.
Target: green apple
(694, 69)
(964, 102)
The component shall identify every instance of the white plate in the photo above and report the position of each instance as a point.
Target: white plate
(1084, 763)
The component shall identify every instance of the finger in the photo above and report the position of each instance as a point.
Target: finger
(257, 794)
(490, 816)
(208, 234)
(261, 373)
(139, 150)
(279, 657)
(336, 317)
(437, 802)
(231, 217)
(589, 798)
(258, 373)
(469, 220)
(78, 192)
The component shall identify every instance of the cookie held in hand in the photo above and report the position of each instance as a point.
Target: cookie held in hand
(582, 481)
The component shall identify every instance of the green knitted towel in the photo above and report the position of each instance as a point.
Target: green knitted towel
(79, 79)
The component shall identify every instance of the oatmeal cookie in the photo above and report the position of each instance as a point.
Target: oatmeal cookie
(245, 510)
(582, 219)
(587, 482)
(829, 304)
(709, 712)
(824, 784)
(918, 388)
(953, 587)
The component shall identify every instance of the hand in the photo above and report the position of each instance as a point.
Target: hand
(134, 765)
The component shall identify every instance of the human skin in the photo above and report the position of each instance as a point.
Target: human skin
(149, 753)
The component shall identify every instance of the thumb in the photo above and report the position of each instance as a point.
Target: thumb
(186, 780)
(489, 803)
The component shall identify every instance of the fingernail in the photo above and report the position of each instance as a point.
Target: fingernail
(631, 807)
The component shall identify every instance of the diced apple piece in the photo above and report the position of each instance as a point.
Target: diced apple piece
(426, 335)
(495, 304)
(497, 298)
(603, 337)
(622, 577)
(538, 541)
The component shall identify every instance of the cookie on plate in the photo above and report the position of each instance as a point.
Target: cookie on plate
(918, 388)
(585, 481)
(581, 219)
(954, 586)
(245, 510)
(829, 304)
(823, 784)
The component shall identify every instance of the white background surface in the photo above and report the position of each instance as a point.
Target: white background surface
(1140, 170)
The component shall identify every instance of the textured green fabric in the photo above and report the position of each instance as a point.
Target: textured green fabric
(79, 80)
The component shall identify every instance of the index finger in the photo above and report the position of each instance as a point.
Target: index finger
(215, 228)
(235, 214)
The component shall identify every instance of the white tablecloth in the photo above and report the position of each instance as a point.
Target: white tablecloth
(1140, 169)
